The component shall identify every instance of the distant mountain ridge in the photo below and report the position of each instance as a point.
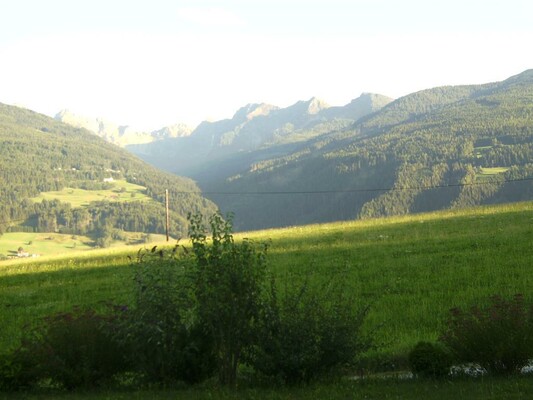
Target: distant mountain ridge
(120, 135)
(441, 148)
(252, 127)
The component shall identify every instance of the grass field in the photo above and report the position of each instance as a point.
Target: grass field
(121, 191)
(485, 174)
(414, 269)
(43, 243)
(493, 170)
(411, 269)
(56, 244)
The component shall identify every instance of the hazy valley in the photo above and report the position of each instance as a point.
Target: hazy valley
(446, 147)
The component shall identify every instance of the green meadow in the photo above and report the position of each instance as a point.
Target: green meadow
(43, 243)
(411, 270)
(493, 170)
(121, 191)
(56, 244)
(486, 173)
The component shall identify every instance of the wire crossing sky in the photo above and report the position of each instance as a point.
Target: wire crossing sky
(157, 63)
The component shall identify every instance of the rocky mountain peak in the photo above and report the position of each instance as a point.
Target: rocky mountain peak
(121, 135)
(250, 111)
(315, 105)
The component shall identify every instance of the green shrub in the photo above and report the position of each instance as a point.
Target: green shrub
(18, 370)
(103, 241)
(498, 337)
(307, 333)
(165, 341)
(72, 350)
(193, 312)
(228, 280)
(430, 360)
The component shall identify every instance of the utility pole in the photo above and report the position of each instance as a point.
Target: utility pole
(166, 207)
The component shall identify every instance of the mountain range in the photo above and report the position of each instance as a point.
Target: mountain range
(446, 147)
(253, 127)
(121, 135)
(440, 148)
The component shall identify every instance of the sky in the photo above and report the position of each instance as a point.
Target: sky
(150, 64)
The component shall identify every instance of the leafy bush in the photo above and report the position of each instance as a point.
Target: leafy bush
(430, 360)
(71, 349)
(193, 312)
(498, 337)
(306, 333)
(228, 279)
(18, 370)
(165, 340)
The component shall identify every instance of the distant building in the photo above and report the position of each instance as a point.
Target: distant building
(24, 254)
(21, 253)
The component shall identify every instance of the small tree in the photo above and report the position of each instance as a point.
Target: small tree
(228, 285)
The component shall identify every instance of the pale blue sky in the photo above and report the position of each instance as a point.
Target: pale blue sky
(153, 63)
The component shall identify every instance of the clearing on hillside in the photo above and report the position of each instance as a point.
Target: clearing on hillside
(119, 191)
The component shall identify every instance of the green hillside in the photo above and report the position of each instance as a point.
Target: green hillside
(411, 270)
(56, 178)
(426, 151)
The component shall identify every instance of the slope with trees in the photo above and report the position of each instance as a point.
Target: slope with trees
(39, 154)
(422, 152)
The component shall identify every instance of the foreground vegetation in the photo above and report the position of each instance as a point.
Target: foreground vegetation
(472, 389)
(412, 270)
(415, 268)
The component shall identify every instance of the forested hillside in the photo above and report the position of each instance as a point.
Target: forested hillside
(447, 147)
(39, 154)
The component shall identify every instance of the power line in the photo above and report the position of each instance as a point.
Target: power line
(360, 190)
